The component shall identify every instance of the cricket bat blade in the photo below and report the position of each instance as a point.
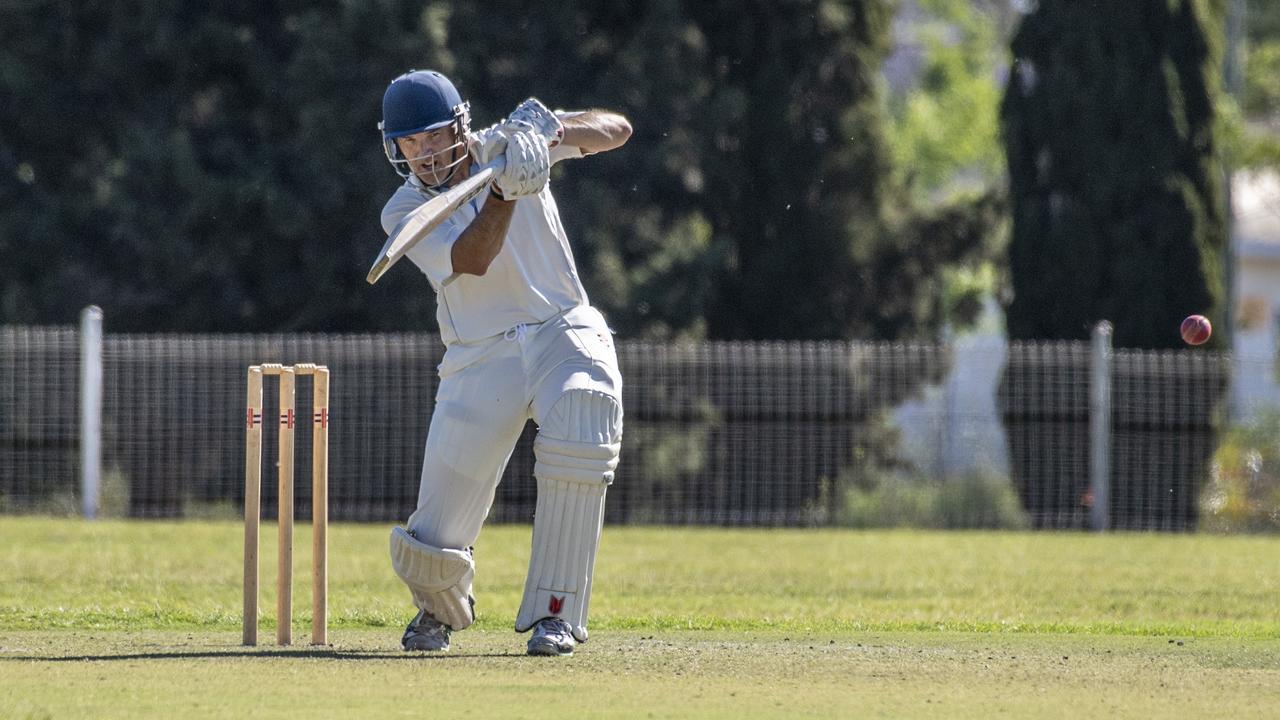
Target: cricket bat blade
(428, 217)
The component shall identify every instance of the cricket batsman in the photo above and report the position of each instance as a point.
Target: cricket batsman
(522, 341)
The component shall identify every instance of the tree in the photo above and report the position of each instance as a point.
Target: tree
(641, 240)
(1117, 214)
(944, 118)
(943, 130)
(1256, 142)
(1114, 171)
(198, 168)
(217, 169)
(758, 197)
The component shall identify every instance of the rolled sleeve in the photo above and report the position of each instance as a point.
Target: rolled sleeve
(565, 152)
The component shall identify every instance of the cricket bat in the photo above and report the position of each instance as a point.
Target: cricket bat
(429, 216)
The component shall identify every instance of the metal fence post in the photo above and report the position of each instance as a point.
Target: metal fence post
(90, 411)
(1100, 428)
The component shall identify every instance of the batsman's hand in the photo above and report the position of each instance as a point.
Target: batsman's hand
(533, 114)
(529, 116)
(489, 144)
(528, 166)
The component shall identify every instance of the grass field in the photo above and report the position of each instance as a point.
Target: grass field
(141, 619)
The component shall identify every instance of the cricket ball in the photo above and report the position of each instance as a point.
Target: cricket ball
(1196, 329)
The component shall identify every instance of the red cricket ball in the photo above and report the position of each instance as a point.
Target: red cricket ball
(1196, 329)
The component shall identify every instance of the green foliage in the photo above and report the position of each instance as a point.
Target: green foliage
(1263, 20)
(1255, 135)
(198, 168)
(217, 168)
(970, 501)
(757, 178)
(1262, 78)
(1247, 144)
(939, 245)
(1243, 494)
(1117, 206)
(1249, 116)
(944, 132)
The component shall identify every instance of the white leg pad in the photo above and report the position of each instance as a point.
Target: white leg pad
(439, 578)
(577, 450)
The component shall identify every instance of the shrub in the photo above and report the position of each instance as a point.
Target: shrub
(1243, 494)
(980, 499)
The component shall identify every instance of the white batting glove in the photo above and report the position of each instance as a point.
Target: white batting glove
(489, 143)
(532, 113)
(528, 166)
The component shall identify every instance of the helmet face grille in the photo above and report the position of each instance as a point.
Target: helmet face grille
(418, 101)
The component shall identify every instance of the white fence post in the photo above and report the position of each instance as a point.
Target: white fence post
(1100, 428)
(90, 410)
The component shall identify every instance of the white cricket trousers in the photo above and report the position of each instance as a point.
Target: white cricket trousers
(488, 391)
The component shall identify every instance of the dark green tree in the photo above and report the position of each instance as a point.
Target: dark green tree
(1263, 20)
(1115, 188)
(758, 197)
(1117, 214)
(640, 237)
(199, 168)
(217, 168)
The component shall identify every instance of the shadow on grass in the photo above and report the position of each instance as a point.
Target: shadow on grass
(319, 653)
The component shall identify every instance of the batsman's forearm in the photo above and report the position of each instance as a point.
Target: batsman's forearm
(481, 242)
(596, 130)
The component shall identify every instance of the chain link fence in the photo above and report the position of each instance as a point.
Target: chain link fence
(717, 433)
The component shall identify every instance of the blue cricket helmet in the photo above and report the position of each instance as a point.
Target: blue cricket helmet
(418, 101)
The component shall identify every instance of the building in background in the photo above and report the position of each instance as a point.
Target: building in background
(1256, 237)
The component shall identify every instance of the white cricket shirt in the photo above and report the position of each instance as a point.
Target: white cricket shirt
(532, 279)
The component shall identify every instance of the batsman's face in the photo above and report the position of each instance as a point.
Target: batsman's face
(433, 154)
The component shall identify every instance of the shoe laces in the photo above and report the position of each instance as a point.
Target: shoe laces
(427, 625)
(554, 625)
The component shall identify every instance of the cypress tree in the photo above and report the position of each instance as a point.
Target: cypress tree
(1117, 214)
(1115, 186)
